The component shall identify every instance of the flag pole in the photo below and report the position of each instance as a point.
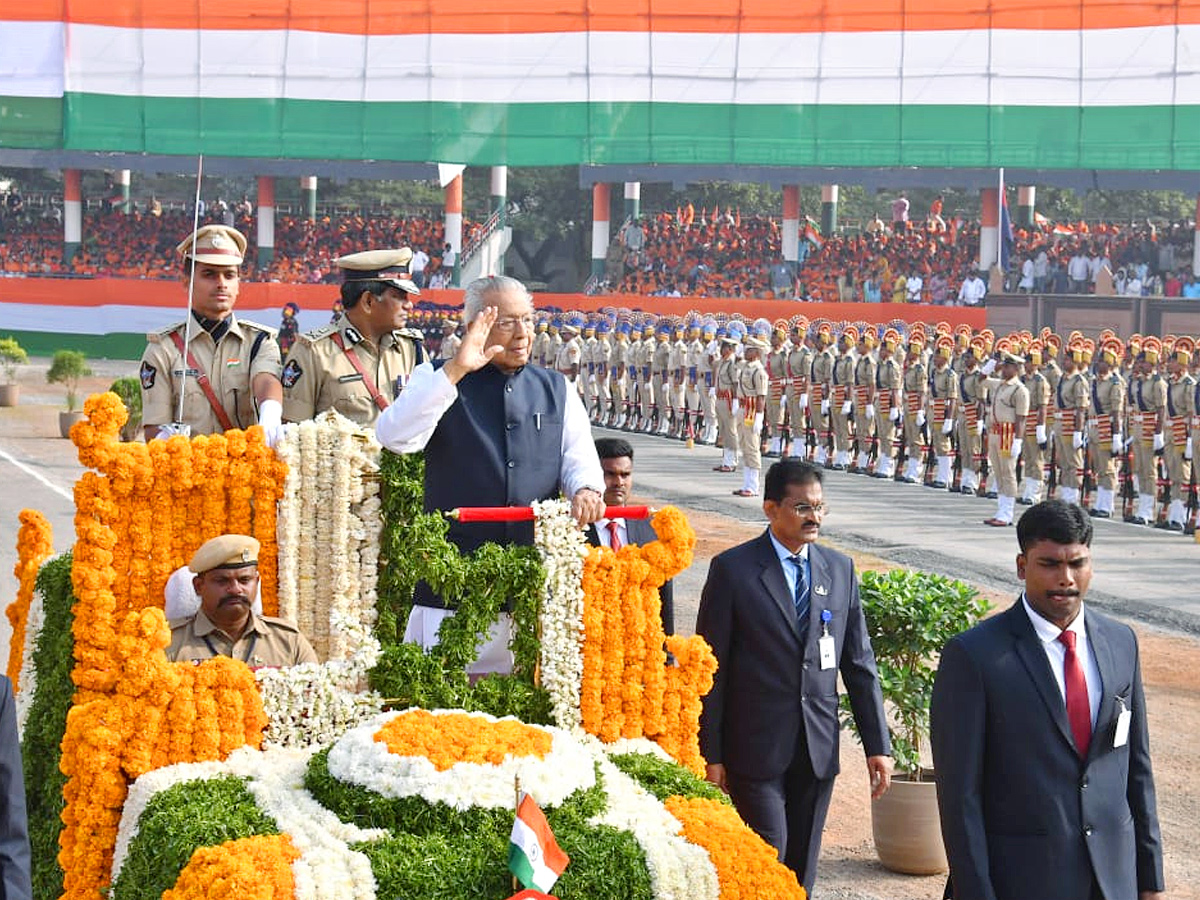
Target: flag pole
(1000, 223)
(516, 885)
(187, 322)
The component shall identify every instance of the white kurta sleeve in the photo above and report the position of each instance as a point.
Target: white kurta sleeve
(407, 425)
(580, 462)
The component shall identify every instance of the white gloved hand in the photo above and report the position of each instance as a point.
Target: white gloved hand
(1187, 449)
(734, 406)
(1118, 444)
(804, 401)
(947, 426)
(825, 407)
(712, 392)
(166, 431)
(1158, 441)
(920, 418)
(1015, 450)
(1076, 439)
(270, 417)
(979, 427)
(758, 423)
(894, 415)
(846, 407)
(988, 367)
(1041, 434)
(870, 410)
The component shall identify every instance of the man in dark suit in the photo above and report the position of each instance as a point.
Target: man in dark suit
(783, 617)
(1039, 738)
(616, 459)
(15, 881)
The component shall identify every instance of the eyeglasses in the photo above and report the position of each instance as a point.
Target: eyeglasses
(511, 323)
(808, 509)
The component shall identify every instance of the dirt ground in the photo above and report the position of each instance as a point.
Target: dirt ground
(849, 869)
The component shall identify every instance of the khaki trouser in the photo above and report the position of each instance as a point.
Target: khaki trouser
(1070, 461)
(1003, 466)
(1100, 458)
(885, 429)
(1033, 457)
(727, 436)
(797, 414)
(748, 438)
(1179, 470)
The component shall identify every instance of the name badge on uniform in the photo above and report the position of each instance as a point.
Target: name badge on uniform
(1121, 732)
(825, 645)
(345, 379)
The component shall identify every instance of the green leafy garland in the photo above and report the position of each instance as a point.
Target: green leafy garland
(664, 778)
(41, 741)
(178, 821)
(439, 852)
(414, 548)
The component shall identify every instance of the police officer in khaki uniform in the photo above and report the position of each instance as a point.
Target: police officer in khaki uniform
(1070, 403)
(1147, 416)
(864, 408)
(970, 418)
(799, 369)
(226, 581)
(1105, 440)
(841, 409)
(1033, 455)
(727, 381)
(752, 386)
(820, 378)
(450, 339)
(1180, 410)
(231, 376)
(943, 398)
(885, 403)
(777, 376)
(358, 364)
(914, 391)
(1007, 412)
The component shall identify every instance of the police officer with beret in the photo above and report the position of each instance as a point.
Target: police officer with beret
(230, 377)
(226, 581)
(359, 363)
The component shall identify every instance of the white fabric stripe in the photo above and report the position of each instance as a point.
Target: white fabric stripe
(72, 221)
(31, 59)
(117, 319)
(1047, 68)
(600, 239)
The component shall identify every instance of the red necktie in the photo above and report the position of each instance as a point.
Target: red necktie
(1079, 710)
(614, 536)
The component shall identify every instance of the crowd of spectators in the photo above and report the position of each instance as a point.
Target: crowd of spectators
(142, 244)
(707, 253)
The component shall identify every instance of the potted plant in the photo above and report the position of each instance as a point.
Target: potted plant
(910, 616)
(129, 389)
(11, 356)
(68, 367)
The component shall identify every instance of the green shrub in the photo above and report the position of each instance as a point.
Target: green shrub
(129, 389)
(11, 356)
(69, 367)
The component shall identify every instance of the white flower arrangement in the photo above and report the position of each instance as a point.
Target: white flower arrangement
(357, 758)
(27, 679)
(563, 549)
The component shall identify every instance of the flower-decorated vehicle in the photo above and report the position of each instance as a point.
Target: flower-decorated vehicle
(384, 771)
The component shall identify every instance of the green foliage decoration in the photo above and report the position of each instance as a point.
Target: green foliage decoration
(177, 821)
(46, 723)
(910, 617)
(414, 548)
(12, 355)
(664, 779)
(69, 367)
(438, 852)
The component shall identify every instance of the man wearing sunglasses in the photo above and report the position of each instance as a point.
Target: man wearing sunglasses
(782, 614)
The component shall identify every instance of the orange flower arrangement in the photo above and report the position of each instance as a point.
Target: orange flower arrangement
(451, 738)
(253, 868)
(136, 521)
(34, 547)
(747, 866)
(627, 689)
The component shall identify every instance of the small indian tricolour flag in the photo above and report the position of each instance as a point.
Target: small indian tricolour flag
(533, 855)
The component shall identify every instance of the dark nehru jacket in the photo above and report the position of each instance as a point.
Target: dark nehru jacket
(513, 425)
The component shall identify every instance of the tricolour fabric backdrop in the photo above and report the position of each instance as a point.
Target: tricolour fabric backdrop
(1025, 83)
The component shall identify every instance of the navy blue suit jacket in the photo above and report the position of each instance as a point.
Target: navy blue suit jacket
(768, 685)
(1023, 816)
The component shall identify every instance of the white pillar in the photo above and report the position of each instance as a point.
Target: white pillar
(790, 235)
(601, 196)
(72, 213)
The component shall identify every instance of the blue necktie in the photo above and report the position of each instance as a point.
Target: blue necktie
(802, 594)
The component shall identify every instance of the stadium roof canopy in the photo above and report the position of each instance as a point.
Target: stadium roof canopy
(1073, 92)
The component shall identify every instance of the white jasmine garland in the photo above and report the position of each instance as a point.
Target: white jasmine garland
(563, 549)
(27, 679)
(357, 758)
(644, 746)
(287, 523)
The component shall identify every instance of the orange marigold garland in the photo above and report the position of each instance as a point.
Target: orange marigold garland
(452, 738)
(748, 868)
(34, 546)
(253, 868)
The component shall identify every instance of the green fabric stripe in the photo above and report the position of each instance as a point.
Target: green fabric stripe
(539, 134)
(520, 866)
(119, 345)
(31, 123)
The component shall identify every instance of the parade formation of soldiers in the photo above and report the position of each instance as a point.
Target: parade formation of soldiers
(1107, 424)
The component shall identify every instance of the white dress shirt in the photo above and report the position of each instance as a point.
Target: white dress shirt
(605, 533)
(789, 569)
(407, 425)
(1056, 653)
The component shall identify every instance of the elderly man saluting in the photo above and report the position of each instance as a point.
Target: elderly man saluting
(226, 581)
(496, 431)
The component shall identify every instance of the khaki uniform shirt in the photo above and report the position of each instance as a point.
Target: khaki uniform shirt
(1039, 394)
(799, 362)
(450, 345)
(569, 356)
(660, 359)
(752, 380)
(319, 375)
(1010, 400)
(943, 385)
(267, 641)
(540, 352)
(887, 380)
(727, 375)
(229, 368)
(1072, 394)
(1108, 396)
